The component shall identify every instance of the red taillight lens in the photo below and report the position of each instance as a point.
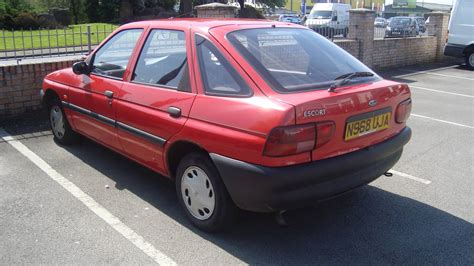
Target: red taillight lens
(403, 111)
(324, 132)
(290, 140)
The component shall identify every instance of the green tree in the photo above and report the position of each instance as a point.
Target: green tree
(14, 7)
(269, 3)
(92, 10)
(109, 10)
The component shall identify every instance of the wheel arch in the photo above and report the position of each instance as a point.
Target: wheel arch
(49, 96)
(469, 49)
(176, 152)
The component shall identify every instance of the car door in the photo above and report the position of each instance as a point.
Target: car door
(108, 66)
(156, 102)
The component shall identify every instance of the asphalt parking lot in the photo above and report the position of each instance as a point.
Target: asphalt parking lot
(87, 204)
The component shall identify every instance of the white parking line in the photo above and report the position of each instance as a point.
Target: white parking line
(415, 178)
(446, 92)
(417, 72)
(441, 75)
(89, 202)
(442, 121)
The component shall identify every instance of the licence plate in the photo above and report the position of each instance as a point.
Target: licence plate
(362, 126)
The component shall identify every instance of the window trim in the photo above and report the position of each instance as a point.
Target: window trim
(91, 61)
(140, 53)
(227, 65)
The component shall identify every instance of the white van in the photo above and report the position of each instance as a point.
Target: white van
(460, 41)
(329, 19)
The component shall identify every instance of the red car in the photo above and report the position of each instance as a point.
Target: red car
(259, 115)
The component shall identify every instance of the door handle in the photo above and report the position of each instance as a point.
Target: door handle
(109, 94)
(174, 111)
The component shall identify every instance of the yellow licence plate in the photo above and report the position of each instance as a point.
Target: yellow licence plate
(367, 125)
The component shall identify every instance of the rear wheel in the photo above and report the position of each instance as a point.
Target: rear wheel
(62, 131)
(470, 60)
(202, 193)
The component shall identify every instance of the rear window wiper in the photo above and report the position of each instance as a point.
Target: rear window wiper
(343, 79)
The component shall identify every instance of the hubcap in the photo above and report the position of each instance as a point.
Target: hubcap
(57, 121)
(198, 193)
(471, 60)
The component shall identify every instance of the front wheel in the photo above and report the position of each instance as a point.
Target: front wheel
(202, 193)
(62, 131)
(470, 60)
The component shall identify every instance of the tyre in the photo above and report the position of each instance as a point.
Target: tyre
(202, 194)
(60, 127)
(470, 60)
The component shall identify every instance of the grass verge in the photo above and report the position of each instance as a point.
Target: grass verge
(74, 35)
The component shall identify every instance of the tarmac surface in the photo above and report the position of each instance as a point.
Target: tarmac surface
(127, 214)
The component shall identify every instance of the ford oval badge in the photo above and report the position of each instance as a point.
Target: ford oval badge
(372, 102)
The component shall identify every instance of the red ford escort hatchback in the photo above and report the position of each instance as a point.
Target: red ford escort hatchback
(259, 115)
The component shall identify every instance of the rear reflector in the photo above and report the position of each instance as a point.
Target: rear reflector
(403, 111)
(324, 132)
(290, 140)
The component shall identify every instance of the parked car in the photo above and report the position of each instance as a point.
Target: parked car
(421, 24)
(380, 22)
(292, 18)
(329, 19)
(259, 115)
(460, 42)
(402, 27)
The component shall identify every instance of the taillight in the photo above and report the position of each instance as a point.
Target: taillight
(324, 132)
(290, 140)
(403, 111)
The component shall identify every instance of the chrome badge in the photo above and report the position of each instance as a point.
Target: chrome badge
(372, 102)
(314, 112)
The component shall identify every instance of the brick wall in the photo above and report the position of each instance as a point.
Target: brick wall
(390, 53)
(20, 86)
(351, 46)
(215, 10)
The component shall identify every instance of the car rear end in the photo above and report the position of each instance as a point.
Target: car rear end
(352, 129)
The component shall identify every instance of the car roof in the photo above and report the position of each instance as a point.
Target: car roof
(208, 23)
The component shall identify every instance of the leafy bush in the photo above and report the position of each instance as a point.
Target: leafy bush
(25, 21)
(6, 22)
(250, 12)
(47, 21)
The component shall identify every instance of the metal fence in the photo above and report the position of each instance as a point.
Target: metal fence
(383, 29)
(75, 40)
(331, 30)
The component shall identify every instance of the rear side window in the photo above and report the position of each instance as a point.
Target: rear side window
(163, 61)
(293, 60)
(112, 58)
(218, 75)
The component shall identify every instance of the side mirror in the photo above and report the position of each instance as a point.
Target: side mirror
(80, 68)
(334, 18)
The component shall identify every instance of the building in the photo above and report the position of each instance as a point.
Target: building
(420, 9)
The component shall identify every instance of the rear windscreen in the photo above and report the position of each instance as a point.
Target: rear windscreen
(292, 59)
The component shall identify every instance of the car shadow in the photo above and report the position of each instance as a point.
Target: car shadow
(393, 74)
(369, 225)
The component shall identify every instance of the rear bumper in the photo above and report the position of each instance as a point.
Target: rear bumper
(454, 50)
(266, 189)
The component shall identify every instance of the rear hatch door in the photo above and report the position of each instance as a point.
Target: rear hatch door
(363, 114)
